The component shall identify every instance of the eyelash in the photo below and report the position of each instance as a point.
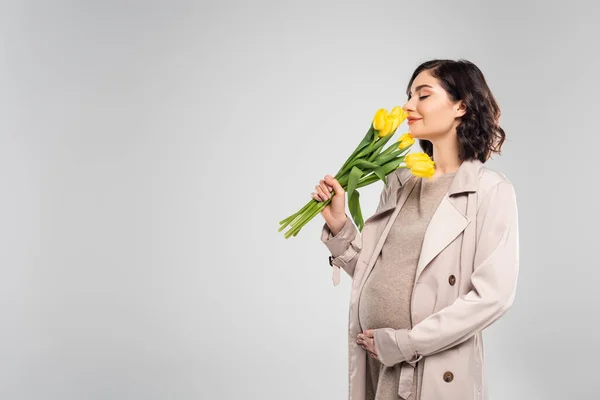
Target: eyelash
(422, 97)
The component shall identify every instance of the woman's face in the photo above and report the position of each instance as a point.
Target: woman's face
(430, 102)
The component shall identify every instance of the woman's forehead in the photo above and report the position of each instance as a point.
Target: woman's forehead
(424, 80)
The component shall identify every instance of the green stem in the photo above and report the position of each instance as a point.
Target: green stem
(317, 207)
(365, 151)
(309, 215)
(291, 217)
(379, 144)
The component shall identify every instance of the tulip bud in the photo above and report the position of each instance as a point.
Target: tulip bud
(411, 158)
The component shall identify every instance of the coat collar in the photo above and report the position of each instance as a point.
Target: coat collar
(465, 180)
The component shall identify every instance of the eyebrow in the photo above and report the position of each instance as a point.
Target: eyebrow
(421, 87)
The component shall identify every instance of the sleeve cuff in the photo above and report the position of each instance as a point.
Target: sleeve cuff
(393, 346)
(343, 247)
(337, 244)
(387, 349)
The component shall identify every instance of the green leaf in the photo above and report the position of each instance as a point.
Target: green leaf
(362, 163)
(355, 211)
(366, 141)
(383, 159)
(390, 166)
(380, 174)
(355, 175)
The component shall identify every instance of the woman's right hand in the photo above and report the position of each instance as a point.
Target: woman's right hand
(335, 212)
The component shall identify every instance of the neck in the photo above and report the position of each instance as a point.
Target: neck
(445, 154)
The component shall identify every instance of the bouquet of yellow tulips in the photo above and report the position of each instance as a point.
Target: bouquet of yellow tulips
(367, 164)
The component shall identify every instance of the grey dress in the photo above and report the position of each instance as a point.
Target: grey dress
(385, 299)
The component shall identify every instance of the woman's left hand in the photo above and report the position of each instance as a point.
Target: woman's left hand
(366, 340)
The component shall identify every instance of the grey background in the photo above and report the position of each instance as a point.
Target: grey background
(149, 149)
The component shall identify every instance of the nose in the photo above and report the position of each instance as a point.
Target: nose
(408, 106)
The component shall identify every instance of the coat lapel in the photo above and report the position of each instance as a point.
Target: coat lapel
(446, 224)
(401, 177)
(450, 218)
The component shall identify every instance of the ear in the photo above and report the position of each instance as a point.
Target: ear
(461, 109)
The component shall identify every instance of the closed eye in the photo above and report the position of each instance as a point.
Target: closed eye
(420, 98)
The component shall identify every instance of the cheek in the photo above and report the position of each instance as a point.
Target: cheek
(433, 113)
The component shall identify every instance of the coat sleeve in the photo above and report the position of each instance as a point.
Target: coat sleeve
(494, 282)
(344, 248)
(347, 244)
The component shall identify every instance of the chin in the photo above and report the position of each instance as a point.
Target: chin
(420, 135)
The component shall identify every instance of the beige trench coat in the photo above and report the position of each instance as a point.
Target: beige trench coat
(466, 279)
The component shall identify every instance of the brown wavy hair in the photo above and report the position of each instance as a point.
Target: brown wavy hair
(479, 134)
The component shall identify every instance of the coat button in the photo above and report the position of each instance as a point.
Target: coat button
(330, 260)
(448, 376)
(452, 280)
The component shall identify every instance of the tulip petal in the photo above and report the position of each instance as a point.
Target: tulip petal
(379, 119)
(423, 168)
(413, 157)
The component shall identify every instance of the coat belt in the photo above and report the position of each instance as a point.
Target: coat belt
(407, 372)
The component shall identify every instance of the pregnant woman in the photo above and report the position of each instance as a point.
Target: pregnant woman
(438, 260)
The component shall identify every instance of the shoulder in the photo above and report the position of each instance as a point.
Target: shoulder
(491, 181)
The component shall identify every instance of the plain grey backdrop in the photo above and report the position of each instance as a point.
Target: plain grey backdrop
(149, 149)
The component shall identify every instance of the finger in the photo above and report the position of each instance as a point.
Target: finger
(328, 185)
(324, 188)
(320, 193)
(315, 196)
(331, 181)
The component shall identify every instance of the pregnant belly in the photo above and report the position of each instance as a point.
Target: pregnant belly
(385, 301)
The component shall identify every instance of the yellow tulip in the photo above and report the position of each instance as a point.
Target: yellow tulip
(388, 127)
(379, 119)
(387, 123)
(411, 158)
(399, 115)
(405, 141)
(423, 169)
